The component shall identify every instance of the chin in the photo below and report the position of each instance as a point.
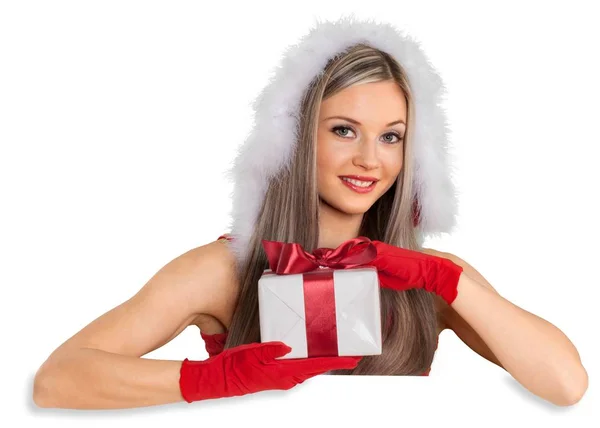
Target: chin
(347, 208)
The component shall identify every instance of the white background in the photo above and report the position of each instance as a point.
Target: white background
(119, 118)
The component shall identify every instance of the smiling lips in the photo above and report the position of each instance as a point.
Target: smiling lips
(359, 184)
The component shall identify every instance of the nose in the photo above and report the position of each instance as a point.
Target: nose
(367, 155)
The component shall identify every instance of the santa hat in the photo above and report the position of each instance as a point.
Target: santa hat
(270, 145)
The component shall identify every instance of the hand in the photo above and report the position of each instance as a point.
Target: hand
(252, 368)
(402, 269)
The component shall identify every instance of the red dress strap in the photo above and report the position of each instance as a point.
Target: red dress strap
(214, 343)
(226, 236)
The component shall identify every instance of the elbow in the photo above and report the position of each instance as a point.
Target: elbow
(42, 391)
(45, 388)
(574, 387)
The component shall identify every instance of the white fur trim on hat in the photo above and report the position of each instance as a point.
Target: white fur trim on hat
(270, 144)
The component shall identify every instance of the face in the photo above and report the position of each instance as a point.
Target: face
(367, 144)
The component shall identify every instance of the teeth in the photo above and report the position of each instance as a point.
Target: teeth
(357, 182)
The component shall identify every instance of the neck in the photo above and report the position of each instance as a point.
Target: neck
(336, 226)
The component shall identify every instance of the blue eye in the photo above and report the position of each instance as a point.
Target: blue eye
(341, 127)
(395, 135)
(337, 128)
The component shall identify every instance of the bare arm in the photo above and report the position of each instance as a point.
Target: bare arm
(89, 378)
(101, 367)
(453, 321)
(535, 352)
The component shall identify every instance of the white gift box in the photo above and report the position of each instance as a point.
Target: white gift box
(357, 311)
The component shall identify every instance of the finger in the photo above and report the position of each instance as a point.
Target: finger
(272, 350)
(301, 378)
(320, 372)
(320, 364)
(316, 373)
(337, 363)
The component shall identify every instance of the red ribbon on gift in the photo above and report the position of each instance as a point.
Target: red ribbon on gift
(319, 298)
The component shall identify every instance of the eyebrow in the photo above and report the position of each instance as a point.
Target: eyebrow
(358, 123)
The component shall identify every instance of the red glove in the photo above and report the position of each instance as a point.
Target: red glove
(251, 368)
(402, 269)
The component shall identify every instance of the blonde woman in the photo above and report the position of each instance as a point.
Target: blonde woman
(349, 141)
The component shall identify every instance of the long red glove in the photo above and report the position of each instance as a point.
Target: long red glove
(402, 269)
(252, 368)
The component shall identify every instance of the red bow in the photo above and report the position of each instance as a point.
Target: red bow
(291, 258)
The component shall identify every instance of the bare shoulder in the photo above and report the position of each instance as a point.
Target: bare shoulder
(221, 283)
(198, 283)
(467, 268)
(203, 277)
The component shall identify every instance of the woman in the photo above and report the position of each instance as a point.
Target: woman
(349, 141)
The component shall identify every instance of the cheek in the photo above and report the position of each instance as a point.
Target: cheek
(325, 168)
(397, 167)
(394, 163)
(327, 158)
(329, 165)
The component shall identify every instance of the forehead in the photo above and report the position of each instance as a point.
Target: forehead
(381, 100)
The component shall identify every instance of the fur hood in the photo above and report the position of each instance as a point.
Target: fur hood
(269, 146)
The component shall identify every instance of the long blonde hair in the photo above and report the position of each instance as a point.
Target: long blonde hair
(290, 211)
